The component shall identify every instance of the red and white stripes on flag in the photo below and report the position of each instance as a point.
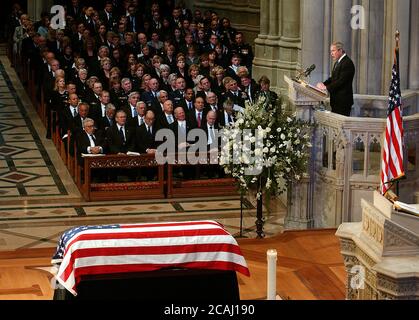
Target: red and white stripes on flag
(392, 162)
(148, 247)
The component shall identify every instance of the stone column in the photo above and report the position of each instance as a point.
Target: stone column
(278, 53)
(35, 8)
(369, 56)
(312, 25)
(397, 16)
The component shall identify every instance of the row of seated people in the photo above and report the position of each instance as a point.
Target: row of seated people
(139, 134)
(120, 138)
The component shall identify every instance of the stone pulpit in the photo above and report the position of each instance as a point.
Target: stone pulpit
(306, 100)
(381, 253)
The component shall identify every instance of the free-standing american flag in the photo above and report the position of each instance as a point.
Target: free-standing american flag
(91, 250)
(392, 162)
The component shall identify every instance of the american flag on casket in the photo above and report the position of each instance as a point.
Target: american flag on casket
(121, 248)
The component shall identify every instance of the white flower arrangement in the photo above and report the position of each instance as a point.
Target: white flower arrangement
(273, 148)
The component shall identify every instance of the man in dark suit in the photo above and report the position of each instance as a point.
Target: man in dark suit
(188, 102)
(166, 118)
(180, 128)
(90, 141)
(119, 137)
(234, 94)
(109, 119)
(249, 86)
(197, 118)
(74, 9)
(67, 115)
(146, 133)
(179, 94)
(339, 84)
(107, 16)
(150, 96)
(131, 107)
(226, 116)
(83, 112)
(139, 120)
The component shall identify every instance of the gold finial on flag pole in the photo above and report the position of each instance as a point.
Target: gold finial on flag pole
(397, 38)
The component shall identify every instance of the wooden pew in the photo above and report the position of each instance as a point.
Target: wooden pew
(122, 190)
(198, 187)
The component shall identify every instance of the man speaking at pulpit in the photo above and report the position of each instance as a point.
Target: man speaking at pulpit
(339, 84)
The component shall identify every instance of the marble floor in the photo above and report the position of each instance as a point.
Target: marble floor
(39, 200)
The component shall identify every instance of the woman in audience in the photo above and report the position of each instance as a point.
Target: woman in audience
(105, 72)
(170, 57)
(101, 36)
(81, 84)
(217, 76)
(204, 67)
(221, 58)
(164, 77)
(193, 74)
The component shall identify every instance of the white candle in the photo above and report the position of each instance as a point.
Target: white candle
(271, 288)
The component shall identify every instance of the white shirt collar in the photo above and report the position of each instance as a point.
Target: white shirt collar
(343, 56)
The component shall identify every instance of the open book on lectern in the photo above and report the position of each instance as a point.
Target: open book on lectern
(318, 91)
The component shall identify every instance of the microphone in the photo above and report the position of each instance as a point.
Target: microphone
(309, 70)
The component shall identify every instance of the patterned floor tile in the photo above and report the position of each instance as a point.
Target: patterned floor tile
(9, 138)
(41, 181)
(39, 171)
(28, 155)
(28, 163)
(17, 130)
(9, 192)
(16, 176)
(198, 206)
(100, 210)
(6, 150)
(42, 191)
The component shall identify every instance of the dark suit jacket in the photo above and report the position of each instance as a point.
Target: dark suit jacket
(66, 121)
(239, 100)
(104, 123)
(339, 86)
(83, 141)
(185, 107)
(116, 144)
(175, 128)
(193, 120)
(221, 118)
(205, 128)
(145, 141)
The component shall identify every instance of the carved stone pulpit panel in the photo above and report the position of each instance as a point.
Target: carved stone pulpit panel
(381, 252)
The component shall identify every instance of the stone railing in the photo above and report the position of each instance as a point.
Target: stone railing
(347, 164)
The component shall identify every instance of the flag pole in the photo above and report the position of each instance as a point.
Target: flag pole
(397, 36)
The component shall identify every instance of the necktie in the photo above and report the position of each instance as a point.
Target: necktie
(134, 111)
(121, 133)
(74, 112)
(198, 120)
(149, 131)
(170, 119)
(230, 120)
(212, 134)
(140, 121)
(190, 105)
(93, 139)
